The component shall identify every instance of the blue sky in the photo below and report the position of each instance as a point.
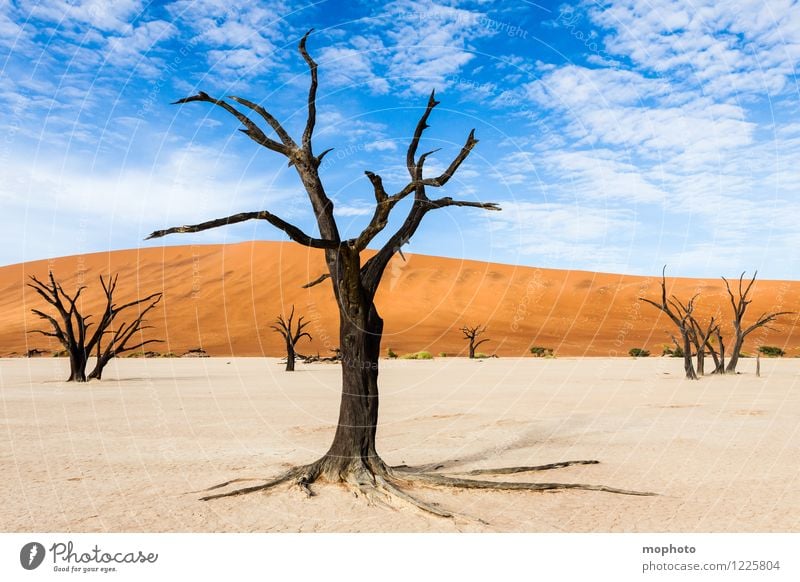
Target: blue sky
(617, 136)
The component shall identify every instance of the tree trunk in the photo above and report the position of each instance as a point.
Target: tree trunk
(472, 349)
(701, 362)
(97, 373)
(737, 347)
(688, 366)
(290, 355)
(353, 447)
(77, 365)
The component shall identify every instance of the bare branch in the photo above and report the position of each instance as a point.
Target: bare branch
(312, 94)
(317, 281)
(447, 201)
(294, 233)
(270, 119)
(454, 165)
(252, 130)
(414, 169)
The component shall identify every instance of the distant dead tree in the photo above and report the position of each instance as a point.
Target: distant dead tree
(681, 316)
(739, 303)
(352, 458)
(471, 334)
(109, 337)
(291, 334)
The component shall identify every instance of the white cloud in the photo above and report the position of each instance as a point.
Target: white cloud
(565, 235)
(728, 48)
(243, 41)
(106, 209)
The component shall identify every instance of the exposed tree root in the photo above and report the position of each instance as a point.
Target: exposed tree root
(285, 478)
(379, 483)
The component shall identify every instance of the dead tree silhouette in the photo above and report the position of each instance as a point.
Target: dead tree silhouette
(291, 333)
(109, 338)
(471, 334)
(352, 458)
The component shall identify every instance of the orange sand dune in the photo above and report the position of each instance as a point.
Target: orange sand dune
(224, 298)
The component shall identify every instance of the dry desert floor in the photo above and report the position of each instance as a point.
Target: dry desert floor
(126, 454)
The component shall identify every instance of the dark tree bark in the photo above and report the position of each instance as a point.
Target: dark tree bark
(720, 365)
(701, 338)
(471, 334)
(352, 457)
(291, 335)
(71, 328)
(680, 315)
(739, 303)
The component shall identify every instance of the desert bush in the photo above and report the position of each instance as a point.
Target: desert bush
(61, 354)
(673, 351)
(481, 356)
(442, 354)
(417, 356)
(541, 352)
(391, 354)
(638, 352)
(771, 351)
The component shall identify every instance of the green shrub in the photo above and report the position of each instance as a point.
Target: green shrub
(391, 354)
(480, 355)
(673, 352)
(442, 354)
(417, 356)
(61, 354)
(639, 352)
(541, 352)
(771, 351)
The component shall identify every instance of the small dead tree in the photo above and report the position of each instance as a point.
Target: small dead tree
(352, 458)
(739, 303)
(71, 328)
(680, 315)
(291, 334)
(471, 334)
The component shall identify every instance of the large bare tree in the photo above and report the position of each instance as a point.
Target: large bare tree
(291, 333)
(739, 303)
(109, 338)
(352, 457)
(681, 316)
(471, 334)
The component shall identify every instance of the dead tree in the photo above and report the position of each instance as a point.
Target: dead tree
(71, 328)
(739, 303)
(701, 339)
(291, 335)
(352, 457)
(471, 334)
(680, 315)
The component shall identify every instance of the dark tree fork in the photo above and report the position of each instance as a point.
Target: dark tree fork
(352, 457)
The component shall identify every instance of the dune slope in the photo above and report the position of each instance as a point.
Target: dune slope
(223, 298)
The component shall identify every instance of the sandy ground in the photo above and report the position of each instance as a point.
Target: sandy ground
(123, 455)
